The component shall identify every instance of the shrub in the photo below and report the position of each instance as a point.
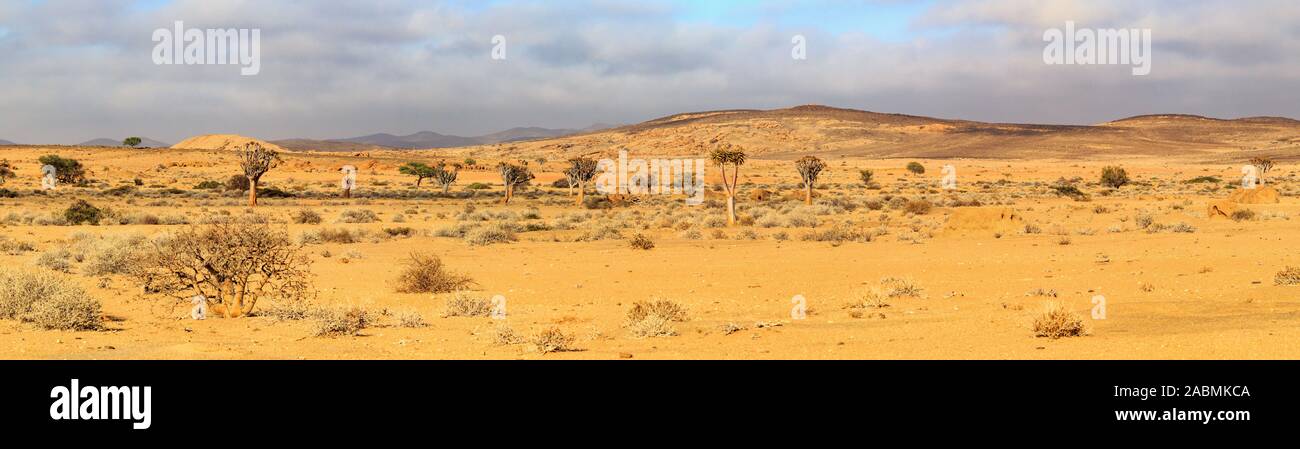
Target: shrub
(487, 235)
(918, 207)
(640, 241)
(209, 185)
(82, 212)
(47, 300)
(1114, 177)
(401, 231)
(233, 264)
(1057, 322)
(553, 340)
(866, 176)
(425, 273)
(114, 255)
(237, 183)
(66, 170)
(478, 186)
(342, 322)
(662, 307)
(916, 168)
(1243, 215)
(465, 304)
(411, 319)
(306, 216)
(1288, 276)
(358, 216)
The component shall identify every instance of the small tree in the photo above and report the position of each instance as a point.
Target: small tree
(916, 168)
(513, 176)
(866, 176)
(1114, 177)
(810, 168)
(256, 160)
(67, 170)
(580, 172)
(446, 177)
(132, 142)
(1263, 165)
(733, 156)
(232, 264)
(6, 171)
(419, 170)
(469, 162)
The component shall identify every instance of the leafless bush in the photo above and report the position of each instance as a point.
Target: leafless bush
(232, 264)
(342, 322)
(553, 340)
(465, 304)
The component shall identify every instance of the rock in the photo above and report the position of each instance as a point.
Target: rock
(1258, 195)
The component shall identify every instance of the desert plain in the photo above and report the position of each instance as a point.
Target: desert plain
(895, 267)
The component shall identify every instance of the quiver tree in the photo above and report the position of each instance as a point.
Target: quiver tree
(6, 171)
(446, 177)
(513, 176)
(419, 170)
(809, 168)
(580, 172)
(256, 160)
(1262, 164)
(232, 264)
(729, 156)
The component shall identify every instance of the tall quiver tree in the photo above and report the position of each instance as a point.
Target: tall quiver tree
(513, 176)
(1262, 164)
(581, 171)
(256, 160)
(809, 168)
(724, 156)
(446, 176)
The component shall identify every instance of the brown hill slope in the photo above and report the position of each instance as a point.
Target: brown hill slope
(830, 132)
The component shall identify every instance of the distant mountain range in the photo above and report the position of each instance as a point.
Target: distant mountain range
(430, 139)
(6, 142)
(106, 142)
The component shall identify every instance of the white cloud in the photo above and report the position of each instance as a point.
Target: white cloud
(335, 68)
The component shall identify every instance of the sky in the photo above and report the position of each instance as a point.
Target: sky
(73, 70)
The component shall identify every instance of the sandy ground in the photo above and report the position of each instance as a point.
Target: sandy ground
(1207, 294)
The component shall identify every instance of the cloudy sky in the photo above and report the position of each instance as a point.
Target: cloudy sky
(72, 70)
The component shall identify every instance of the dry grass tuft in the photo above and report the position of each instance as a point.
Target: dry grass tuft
(466, 304)
(425, 273)
(1057, 322)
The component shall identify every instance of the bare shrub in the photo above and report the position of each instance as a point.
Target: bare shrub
(553, 340)
(232, 264)
(341, 321)
(640, 241)
(411, 319)
(654, 318)
(358, 216)
(465, 304)
(918, 207)
(1288, 276)
(45, 299)
(306, 216)
(495, 233)
(425, 273)
(504, 335)
(900, 287)
(1057, 322)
